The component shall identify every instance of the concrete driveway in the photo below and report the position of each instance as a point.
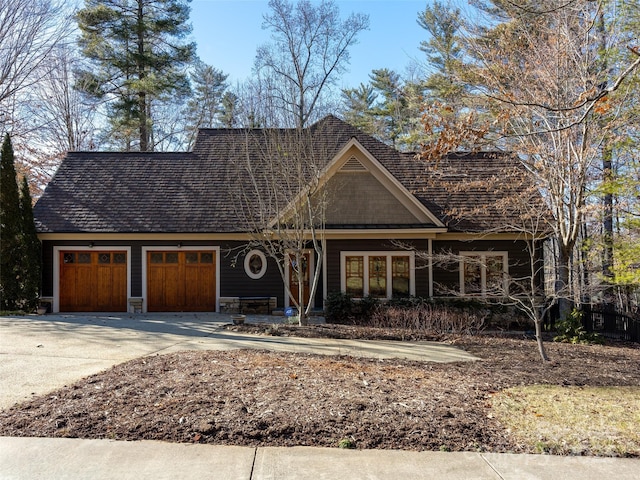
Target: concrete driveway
(41, 353)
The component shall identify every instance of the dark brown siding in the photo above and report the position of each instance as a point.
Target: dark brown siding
(448, 275)
(234, 282)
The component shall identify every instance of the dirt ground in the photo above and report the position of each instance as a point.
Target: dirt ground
(261, 398)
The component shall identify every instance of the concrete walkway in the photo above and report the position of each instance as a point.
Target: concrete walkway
(39, 354)
(73, 459)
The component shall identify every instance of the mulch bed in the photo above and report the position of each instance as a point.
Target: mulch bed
(260, 398)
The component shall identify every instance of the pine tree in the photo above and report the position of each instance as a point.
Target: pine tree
(205, 107)
(10, 226)
(358, 108)
(443, 51)
(31, 251)
(137, 51)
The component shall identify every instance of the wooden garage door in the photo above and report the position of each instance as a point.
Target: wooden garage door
(181, 281)
(93, 281)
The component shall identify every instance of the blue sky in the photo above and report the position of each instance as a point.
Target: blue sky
(228, 31)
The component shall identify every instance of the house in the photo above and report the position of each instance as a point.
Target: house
(158, 231)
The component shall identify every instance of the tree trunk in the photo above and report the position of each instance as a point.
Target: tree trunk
(142, 95)
(562, 281)
(607, 172)
(539, 340)
(302, 315)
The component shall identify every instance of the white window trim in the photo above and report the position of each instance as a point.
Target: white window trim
(483, 270)
(162, 248)
(385, 253)
(247, 267)
(55, 308)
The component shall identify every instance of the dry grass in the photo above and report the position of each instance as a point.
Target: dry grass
(573, 420)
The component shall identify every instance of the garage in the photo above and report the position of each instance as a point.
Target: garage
(181, 281)
(93, 281)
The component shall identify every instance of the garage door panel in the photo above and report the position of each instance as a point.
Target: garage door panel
(180, 281)
(155, 289)
(104, 288)
(91, 282)
(119, 286)
(172, 293)
(85, 289)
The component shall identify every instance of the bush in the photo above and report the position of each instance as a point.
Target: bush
(414, 314)
(429, 319)
(343, 309)
(338, 308)
(570, 330)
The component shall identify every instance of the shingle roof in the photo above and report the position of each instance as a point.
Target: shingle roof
(190, 192)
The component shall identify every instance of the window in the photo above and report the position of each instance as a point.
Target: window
(378, 274)
(119, 257)
(156, 257)
(483, 273)
(400, 276)
(255, 264)
(84, 257)
(378, 277)
(354, 284)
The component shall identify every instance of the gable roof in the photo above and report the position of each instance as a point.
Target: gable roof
(190, 192)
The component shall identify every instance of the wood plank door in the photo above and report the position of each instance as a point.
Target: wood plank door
(93, 281)
(294, 286)
(181, 281)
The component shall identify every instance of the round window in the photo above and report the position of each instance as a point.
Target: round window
(255, 264)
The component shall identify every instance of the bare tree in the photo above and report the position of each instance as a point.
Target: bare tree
(310, 50)
(282, 203)
(541, 73)
(64, 117)
(508, 197)
(29, 31)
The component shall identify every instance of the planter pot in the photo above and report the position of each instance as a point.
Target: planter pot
(41, 310)
(238, 319)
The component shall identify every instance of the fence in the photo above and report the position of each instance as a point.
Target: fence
(610, 323)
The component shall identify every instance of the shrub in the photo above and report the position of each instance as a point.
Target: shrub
(413, 314)
(429, 319)
(570, 330)
(343, 309)
(338, 308)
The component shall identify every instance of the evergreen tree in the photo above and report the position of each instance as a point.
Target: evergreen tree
(137, 53)
(387, 107)
(443, 50)
(31, 251)
(358, 109)
(392, 110)
(10, 226)
(204, 109)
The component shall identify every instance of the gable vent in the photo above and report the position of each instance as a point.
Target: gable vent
(353, 165)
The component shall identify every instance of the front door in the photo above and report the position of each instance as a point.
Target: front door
(294, 286)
